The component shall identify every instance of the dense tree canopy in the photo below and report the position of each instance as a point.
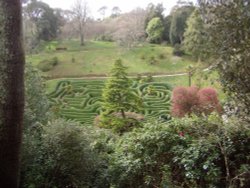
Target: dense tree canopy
(46, 21)
(155, 30)
(154, 11)
(178, 23)
(196, 40)
(167, 24)
(228, 24)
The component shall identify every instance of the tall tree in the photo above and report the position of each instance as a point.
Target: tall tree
(154, 11)
(116, 11)
(155, 30)
(102, 11)
(12, 91)
(196, 39)
(46, 21)
(167, 24)
(80, 10)
(178, 23)
(228, 25)
(130, 28)
(117, 95)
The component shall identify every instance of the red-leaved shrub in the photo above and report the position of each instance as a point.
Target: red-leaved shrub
(187, 100)
(208, 101)
(184, 100)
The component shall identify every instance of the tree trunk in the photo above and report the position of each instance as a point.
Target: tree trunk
(82, 39)
(189, 79)
(81, 34)
(12, 91)
(123, 114)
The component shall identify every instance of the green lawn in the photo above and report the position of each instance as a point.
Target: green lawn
(96, 58)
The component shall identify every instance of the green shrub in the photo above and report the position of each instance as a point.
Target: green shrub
(190, 152)
(73, 60)
(155, 30)
(118, 124)
(138, 77)
(161, 56)
(152, 60)
(149, 78)
(105, 38)
(62, 157)
(47, 65)
(143, 57)
(178, 51)
(140, 156)
(54, 61)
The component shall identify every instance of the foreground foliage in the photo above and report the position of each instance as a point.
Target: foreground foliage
(188, 152)
(228, 24)
(191, 152)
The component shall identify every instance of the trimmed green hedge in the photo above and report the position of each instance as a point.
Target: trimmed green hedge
(80, 100)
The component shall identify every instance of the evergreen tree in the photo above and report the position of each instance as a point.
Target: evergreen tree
(196, 39)
(117, 94)
(228, 25)
(178, 23)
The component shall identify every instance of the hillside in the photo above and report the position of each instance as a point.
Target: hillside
(96, 58)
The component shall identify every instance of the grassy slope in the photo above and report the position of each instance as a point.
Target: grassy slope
(98, 57)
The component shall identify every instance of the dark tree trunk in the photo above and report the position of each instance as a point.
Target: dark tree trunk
(189, 79)
(81, 34)
(11, 91)
(82, 39)
(123, 114)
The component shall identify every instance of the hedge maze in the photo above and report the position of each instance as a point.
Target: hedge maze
(80, 100)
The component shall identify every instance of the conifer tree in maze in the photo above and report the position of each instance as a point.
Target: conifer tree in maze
(117, 94)
(119, 101)
(12, 91)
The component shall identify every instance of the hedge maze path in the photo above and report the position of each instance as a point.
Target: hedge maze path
(80, 100)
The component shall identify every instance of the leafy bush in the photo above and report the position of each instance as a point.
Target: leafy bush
(119, 124)
(140, 157)
(47, 65)
(73, 60)
(190, 152)
(184, 101)
(208, 101)
(152, 60)
(62, 157)
(155, 30)
(143, 57)
(36, 101)
(187, 100)
(106, 38)
(178, 51)
(216, 153)
(149, 78)
(161, 56)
